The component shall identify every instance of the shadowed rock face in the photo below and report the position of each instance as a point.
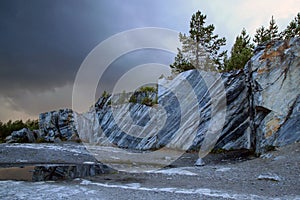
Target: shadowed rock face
(253, 108)
(58, 125)
(23, 135)
(275, 82)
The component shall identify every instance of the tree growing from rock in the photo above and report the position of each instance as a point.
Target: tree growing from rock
(241, 52)
(293, 29)
(261, 35)
(267, 34)
(273, 30)
(181, 63)
(200, 49)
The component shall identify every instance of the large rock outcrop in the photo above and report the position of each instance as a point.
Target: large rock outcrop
(275, 83)
(58, 126)
(255, 108)
(262, 108)
(23, 136)
(186, 114)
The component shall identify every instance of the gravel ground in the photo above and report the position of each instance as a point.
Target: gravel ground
(233, 175)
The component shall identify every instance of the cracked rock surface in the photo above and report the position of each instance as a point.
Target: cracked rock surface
(275, 81)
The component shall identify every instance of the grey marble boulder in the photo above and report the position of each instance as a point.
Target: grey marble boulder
(23, 135)
(58, 126)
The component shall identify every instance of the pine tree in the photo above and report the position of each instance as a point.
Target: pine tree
(293, 29)
(266, 35)
(201, 48)
(261, 35)
(195, 54)
(273, 30)
(241, 52)
(181, 64)
(204, 37)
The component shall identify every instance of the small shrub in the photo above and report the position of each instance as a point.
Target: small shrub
(147, 101)
(133, 99)
(41, 140)
(148, 89)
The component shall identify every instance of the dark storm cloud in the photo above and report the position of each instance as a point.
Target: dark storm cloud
(44, 42)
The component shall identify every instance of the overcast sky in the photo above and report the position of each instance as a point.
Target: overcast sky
(44, 42)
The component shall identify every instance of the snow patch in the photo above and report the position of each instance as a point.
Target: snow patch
(223, 169)
(174, 171)
(89, 163)
(65, 147)
(47, 190)
(269, 177)
(199, 191)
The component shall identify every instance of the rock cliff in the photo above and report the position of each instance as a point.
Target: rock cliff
(254, 108)
(261, 108)
(275, 83)
(182, 119)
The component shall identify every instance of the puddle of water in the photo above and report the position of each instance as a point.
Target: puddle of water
(17, 173)
(53, 172)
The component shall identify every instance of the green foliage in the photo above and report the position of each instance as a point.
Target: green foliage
(148, 89)
(204, 37)
(32, 124)
(261, 35)
(133, 99)
(7, 128)
(145, 92)
(200, 49)
(267, 34)
(105, 94)
(147, 101)
(293, 29)
(273, 30)
(181, 64)
(241, 52)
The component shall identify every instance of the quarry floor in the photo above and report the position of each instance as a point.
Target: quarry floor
(230, 175)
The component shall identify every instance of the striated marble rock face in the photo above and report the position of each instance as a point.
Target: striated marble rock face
(23, 135)
(275, 82)
(261, 108)
(58, 125)
(193, 108)
(254, 108)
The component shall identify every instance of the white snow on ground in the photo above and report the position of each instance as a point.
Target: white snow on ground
(96, 148)
(38, 190)
(223, 169)
(93, 190)
(65, 147)
(173, 171)
(198, 191)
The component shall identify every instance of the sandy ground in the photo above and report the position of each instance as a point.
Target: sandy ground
(274, 175)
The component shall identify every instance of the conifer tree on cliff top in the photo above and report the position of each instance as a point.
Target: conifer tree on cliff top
(241, 52)
(200, 49)
(267, 34)
(293, 29)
